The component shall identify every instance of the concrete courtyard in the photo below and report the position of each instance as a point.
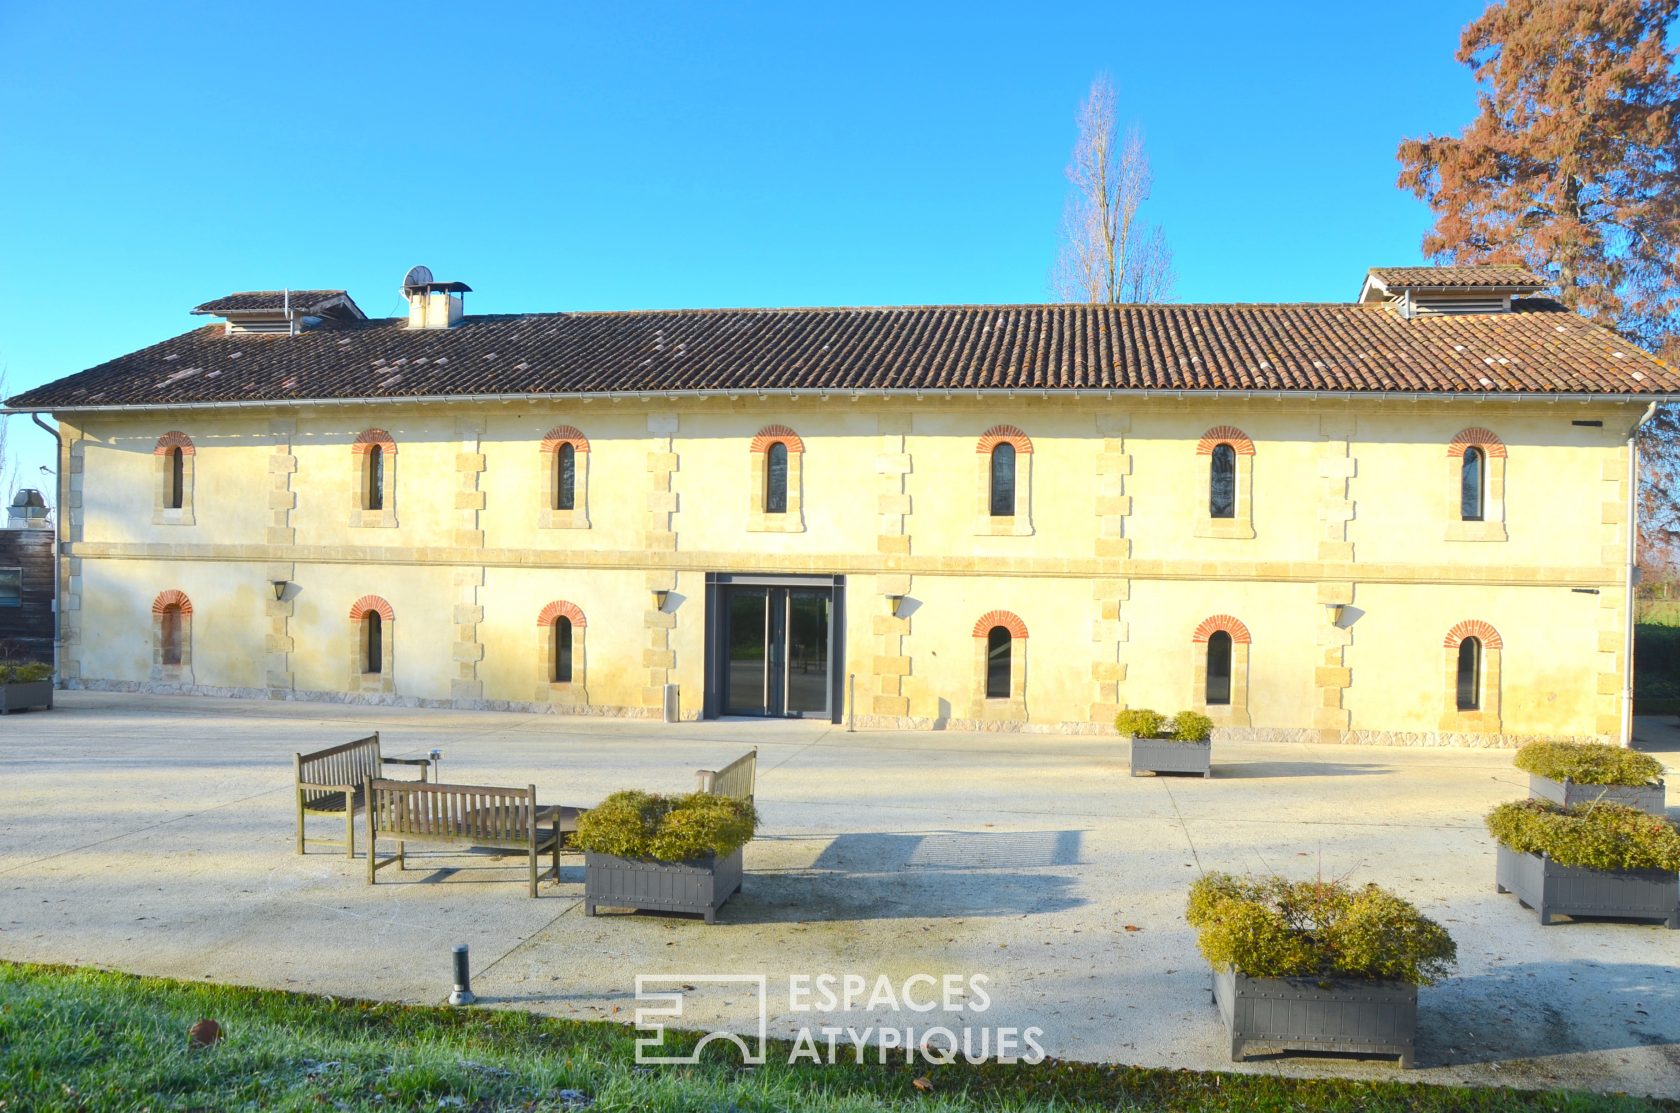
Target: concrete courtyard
(155, 835)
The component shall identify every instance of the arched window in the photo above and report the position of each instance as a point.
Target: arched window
(1222, 484)
(376, 477)
(169, 633)
(562, 650)
(1470, 674)
(1219, 668)
(1471, 485)
(1003, 480)
(177, 479)
(565, 477)
(373, 627)
(998, 661)
(776, 479)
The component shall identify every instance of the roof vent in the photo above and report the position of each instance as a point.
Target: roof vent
(284, 311)
(433, 304)
(1431, 291)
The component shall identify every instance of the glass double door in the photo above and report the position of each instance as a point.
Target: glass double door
(777, 643)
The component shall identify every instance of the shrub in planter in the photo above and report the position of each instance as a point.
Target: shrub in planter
(1156, 748)
(1570, 773)
(1588, 860)
(664, 853)
(25, 684)
(1316, 965)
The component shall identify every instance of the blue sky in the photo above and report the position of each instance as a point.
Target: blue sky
(572, 156)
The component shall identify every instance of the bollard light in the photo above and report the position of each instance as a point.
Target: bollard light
(462, 994)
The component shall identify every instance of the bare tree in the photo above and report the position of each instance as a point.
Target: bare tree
(1108, 254)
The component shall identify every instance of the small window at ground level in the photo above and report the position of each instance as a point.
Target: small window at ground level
(375, 633)
(1469, 671)
(776, 479)
(1219, 668)
(998, 650)
(1222, 483)
(1471, 484)
(1003, 481)
(11, 587)
(562, 650)
(171, 634)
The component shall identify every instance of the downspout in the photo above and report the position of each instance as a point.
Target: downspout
(1632, 571)
(62, 530)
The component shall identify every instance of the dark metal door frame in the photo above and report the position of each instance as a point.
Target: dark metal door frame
(717, 638)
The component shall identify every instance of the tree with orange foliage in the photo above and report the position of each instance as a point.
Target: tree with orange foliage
(1572, 166)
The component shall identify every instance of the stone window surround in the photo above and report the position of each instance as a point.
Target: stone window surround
(1241, 525)
(760, 520)
(1486, 718)
(573, 693)
(1492, 525)
(182, 673)
(1013, 709)
(549, 516)
(1018, 524)
(1235, 713)
(360, 515)
(162, 513)
(383, 682)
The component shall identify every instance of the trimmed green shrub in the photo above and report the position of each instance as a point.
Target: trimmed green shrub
(1595, 836)
(1588, 763)
(632, 824)
(1192, 726)
(1140, 721)
(25, 672)
(1267, 927)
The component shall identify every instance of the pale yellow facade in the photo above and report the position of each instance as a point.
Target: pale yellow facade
(1109, 566)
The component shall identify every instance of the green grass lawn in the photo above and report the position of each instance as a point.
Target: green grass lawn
(90, 1040)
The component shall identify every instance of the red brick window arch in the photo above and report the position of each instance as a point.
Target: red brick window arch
(1472, 652)
(375, 501)
(561, 627)
(173, 486)
(1230, 454)
(778, 479)
(565, 457)
(172, 636)
(1005, 454)
(1220, 677)
(373, 646)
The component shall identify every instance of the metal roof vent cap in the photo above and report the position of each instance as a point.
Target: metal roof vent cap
(433, 304)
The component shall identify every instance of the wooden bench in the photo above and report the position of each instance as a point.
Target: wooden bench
(737, 779)
(463, 815)
(332, 781)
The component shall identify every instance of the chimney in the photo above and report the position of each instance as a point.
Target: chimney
(432, 304)
(28, 511)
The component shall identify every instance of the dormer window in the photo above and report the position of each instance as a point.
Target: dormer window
(287, 311)
(1426, 291)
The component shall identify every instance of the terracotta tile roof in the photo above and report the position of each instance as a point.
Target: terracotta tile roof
(1467, 277)
(1537, 348)
(272, 301)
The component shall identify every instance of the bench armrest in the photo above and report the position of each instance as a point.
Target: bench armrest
(406, 760)
(348, 790)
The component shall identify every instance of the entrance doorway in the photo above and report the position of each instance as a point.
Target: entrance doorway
(774, 647)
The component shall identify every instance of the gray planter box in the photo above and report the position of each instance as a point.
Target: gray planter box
(22, 696)
(701, 886)
(1353, 1015)
(1647, 798)
(1554, 890)
(1163, 755)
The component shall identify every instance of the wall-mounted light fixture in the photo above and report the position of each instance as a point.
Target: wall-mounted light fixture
(279, 589)
(1334, 612)
(894, 602)
(660, 594)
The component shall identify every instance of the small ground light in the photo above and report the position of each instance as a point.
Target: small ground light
(437, 760)
(462, 994)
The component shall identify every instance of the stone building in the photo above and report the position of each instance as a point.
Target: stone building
(1402, 519)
